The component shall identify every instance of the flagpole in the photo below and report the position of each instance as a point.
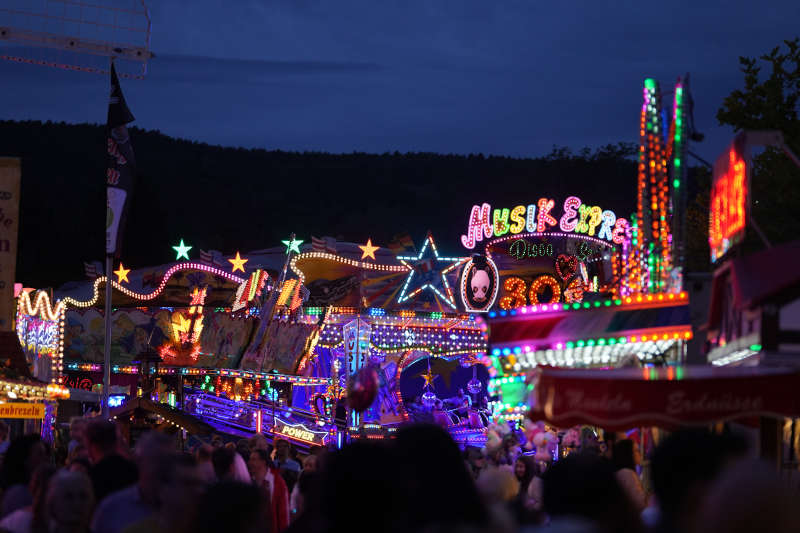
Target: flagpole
(119, 184)
(107, 344)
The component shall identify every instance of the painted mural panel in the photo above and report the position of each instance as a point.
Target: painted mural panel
(222, 339)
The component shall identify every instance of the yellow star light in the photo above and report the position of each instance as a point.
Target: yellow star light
(368, 250)
(122, 274)
(238, 262)
(429, 377)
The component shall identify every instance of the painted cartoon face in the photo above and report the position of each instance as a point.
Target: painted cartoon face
(479, 285)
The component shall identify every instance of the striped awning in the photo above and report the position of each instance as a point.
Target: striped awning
(590, 336)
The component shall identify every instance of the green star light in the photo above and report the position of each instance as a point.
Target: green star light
(182, 251)
(292, 245)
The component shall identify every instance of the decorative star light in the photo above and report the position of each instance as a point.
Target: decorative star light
(238, 262)
(182, 250)
(429, 377)
(368, 250)
(292, 245)
(428, 271)
(122, 274)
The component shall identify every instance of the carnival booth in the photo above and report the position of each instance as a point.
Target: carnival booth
(310, 342)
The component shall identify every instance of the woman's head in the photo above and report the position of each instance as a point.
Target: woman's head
(497, 485)
(520, 468)
(625, 455)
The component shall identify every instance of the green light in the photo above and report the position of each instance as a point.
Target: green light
(677, 162)
(677, 137)
(650, 84)
(580, 344)
(755, 347)
(622, 340)
(601, 342)
(586, 305)
(679, 372)
(576, 306)
(597, 304)
(612, 342)
(292, 245)
(589, 343)
(676, 183)
(618, 302)
(607, 303)
(566, 306)
(570, 345)
(182, 250)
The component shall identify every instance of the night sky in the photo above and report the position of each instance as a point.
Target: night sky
(506, 77)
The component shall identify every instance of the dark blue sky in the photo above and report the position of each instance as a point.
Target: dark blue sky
(507, 77)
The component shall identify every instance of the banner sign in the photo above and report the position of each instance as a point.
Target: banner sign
(22, 410)
(665, 397)
(10, 175)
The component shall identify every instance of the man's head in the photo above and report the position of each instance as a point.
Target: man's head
(70, 500)
(180, 483)
(77, 428)
(282, 449)
(101, 439)
(259, 442)
(684, 465)
(258, 464)
(204, 452)
(223, 458)
(150, 449)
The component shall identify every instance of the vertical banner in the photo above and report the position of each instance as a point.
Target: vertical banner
(356, 335)
(121, 165)
(10, 176)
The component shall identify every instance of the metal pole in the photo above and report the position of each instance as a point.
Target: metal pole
(107, 344)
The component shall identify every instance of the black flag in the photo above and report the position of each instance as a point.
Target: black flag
(121, 166)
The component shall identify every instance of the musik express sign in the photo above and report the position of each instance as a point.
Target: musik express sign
(575, 217)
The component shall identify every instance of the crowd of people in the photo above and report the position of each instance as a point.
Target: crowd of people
(418, 481)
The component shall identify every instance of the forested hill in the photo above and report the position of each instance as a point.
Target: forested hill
(232, 199)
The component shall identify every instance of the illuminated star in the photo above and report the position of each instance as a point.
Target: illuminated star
(368, 250)
(429, 377)
(182, 250)
(122, 274)
(292, 245)
(238, 262)
(428, 271)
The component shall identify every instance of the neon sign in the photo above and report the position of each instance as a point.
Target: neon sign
(299, 432)
(728, 203)
(576, 217)
(522, 249)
